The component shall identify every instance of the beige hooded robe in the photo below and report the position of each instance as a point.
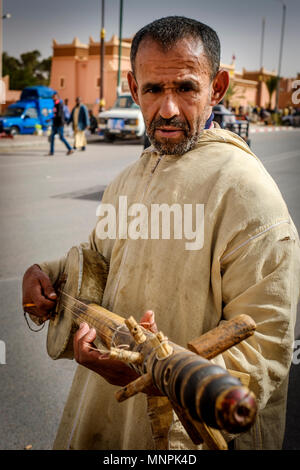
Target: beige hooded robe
(249, 263)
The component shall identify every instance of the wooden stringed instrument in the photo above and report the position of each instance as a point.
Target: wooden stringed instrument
(206, 397)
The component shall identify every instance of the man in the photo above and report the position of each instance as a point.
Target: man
(80, 119)
(58, 125)
(248, 261)
(67, 113)
(93, 122)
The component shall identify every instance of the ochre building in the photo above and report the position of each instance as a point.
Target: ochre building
(76, 72)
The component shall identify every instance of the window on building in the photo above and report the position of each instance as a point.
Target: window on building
(61, 82)
(98, 82)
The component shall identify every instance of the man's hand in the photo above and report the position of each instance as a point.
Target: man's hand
(38, 290)
(115, 372)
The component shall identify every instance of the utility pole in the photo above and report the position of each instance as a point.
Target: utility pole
(120, 47)
(262, 42)
(280, 54)
(102, 54)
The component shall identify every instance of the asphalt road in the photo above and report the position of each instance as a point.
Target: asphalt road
(48, 204)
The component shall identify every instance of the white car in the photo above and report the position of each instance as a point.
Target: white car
(123, 120)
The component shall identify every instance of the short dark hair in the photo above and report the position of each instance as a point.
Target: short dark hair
(167, 31)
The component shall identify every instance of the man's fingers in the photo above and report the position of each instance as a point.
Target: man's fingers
(42, 304)
(148, 321)
(82, 330)
(38, 290)
(47, 288)
(83, 340)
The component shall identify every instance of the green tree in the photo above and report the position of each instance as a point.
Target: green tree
(44, 68)
(271, 85)
(29, 70)
(233, 92)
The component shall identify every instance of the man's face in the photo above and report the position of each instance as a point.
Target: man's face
(174, 90)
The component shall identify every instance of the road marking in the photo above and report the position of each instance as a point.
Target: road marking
(272, 129)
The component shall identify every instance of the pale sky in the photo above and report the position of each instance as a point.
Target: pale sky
(34, 23)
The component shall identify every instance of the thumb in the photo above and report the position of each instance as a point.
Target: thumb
(90, 335)
(148, 321)
(47, 288)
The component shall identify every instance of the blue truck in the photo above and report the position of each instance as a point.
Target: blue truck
(33, 111)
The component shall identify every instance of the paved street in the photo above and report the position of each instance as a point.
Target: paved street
(48, 204)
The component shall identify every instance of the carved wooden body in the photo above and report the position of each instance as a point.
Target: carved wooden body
(202, 394)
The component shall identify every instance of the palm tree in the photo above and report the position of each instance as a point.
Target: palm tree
(233, 92)
(271, 85)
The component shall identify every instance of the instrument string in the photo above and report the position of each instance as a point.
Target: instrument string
(105, 321)
(79, 302)
(82, 313)
(76, 315)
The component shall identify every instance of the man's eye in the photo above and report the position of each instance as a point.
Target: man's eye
(154, 89)
(185, 88)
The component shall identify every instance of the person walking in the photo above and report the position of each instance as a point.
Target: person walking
(58, 126)
(93, 122)
(67, 113)
(80, 119)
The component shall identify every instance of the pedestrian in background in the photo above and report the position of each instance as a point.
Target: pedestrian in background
(93, 122)
(80, 119)
(67, 115)
(58, 125)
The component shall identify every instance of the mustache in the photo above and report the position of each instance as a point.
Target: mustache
(174, 122)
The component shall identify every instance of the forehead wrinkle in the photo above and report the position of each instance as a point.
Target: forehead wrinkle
(172, 69)
(178, 61)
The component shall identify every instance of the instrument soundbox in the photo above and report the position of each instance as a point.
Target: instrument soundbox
(84, 277)
(206, 397)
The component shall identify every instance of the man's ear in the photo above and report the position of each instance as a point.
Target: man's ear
(133, 86)
(219, 87)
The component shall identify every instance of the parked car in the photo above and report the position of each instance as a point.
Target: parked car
(33, 110)
(123, 121)
(292, 119)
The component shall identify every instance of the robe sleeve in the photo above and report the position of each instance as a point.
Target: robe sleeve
(260, 278)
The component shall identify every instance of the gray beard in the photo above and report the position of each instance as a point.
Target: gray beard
(180, 148)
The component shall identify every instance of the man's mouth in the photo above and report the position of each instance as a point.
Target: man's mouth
(169, 132)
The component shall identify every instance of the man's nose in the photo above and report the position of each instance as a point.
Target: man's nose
(169, 107)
